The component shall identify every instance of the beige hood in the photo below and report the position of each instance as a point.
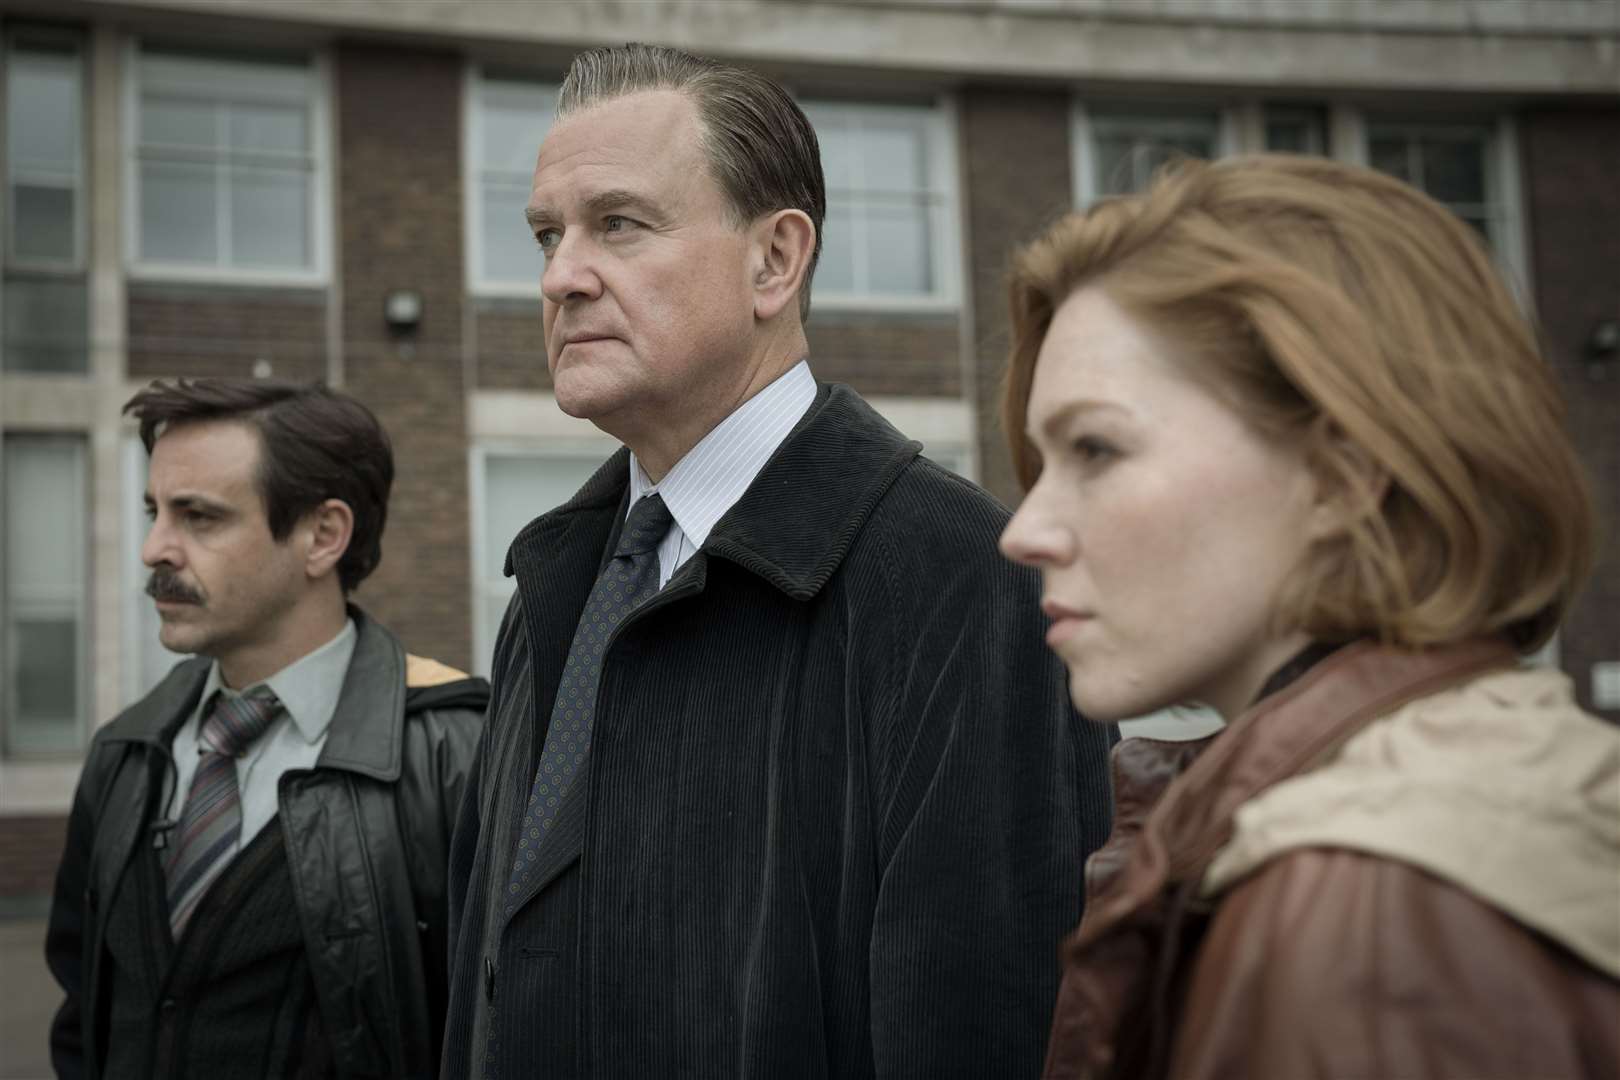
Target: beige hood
(1502, 786)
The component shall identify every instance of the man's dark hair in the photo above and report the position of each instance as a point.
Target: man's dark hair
(760, 145)
(315, 444)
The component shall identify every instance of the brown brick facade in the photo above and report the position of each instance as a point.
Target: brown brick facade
(1016, 158)
(399, 198)
(199, 329)
(30, 848)
(914, 354)
(1572, 196)
(511, 344)
(888, 353)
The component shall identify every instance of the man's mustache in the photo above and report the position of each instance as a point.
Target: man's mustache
(165, 585)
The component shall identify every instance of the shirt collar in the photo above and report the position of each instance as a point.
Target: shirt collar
(308, 688)
(713, 475)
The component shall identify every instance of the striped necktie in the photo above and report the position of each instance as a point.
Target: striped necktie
(211, 822)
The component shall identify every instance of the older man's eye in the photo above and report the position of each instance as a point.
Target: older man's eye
(548, 240)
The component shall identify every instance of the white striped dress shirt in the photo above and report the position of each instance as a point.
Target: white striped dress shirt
(713, 475)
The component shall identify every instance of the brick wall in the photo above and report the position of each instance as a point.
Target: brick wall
(196, 330)
(875, 352)
(30, 848)
(1572, 195)
(399, 194)
(511, 344)
(888, 353)
(1015, 148)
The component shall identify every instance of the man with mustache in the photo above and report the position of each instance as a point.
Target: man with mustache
(779, 780)
(254, 878)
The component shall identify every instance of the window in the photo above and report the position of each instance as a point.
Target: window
(45, 301)
(1447, 161)
(229, 169)
(1296, 130)
(511, 487)
(44, 628)
(507, 119)
(1119, 148)
(889, 237)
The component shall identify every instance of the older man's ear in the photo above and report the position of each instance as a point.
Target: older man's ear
(783, 244)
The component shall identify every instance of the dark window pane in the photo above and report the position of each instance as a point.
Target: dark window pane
(43, 223)
(47, 323)
(47, 669)
(1388, 154)
(1454, 170)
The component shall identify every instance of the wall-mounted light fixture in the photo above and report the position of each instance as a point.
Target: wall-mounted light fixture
(1603, 348)
(402, 310)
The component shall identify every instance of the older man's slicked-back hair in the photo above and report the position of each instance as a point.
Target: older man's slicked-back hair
(1342, 311)
(760, 145)
(315, 444)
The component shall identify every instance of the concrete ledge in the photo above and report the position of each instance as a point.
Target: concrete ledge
(1497, 46)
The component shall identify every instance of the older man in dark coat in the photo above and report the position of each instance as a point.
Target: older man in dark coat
(779, 779)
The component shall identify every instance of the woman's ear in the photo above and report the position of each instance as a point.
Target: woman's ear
(783, 241)
(331, 527)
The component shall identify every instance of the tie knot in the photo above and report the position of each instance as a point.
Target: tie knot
(235, 721)
(649, 520)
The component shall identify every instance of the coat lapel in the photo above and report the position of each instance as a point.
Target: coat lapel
(832, 470)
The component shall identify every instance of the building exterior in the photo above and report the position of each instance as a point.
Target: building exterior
(333, 189)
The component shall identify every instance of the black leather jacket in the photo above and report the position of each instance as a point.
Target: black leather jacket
(366, 831)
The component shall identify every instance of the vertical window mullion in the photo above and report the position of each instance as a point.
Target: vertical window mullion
(861, 272)
(224, 250)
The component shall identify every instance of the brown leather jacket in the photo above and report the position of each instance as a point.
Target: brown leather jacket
(1347, 958)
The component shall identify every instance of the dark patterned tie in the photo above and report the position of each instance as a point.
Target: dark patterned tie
(211, 822)
(629, 578)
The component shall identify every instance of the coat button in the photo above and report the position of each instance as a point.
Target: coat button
(167, 1007)
(489, 979)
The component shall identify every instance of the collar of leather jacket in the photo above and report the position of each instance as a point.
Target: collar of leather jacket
(366, 735)
(1174, 808)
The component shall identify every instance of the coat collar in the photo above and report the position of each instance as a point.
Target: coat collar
(1161, 844)
(366, 734)
(798, 519)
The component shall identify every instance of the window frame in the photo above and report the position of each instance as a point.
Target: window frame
(1082, 127)
(322, 197)
(1347, 130)
(82, 441)
(941, 127)
(76, 263)
(472, 128)
(1503, 208)
(487, 581)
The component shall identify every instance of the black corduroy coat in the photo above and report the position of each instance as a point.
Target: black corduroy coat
(836, 804)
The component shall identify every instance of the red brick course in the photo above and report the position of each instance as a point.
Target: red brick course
(888, 352)
(400, 199)
(30, 848)
(201, 329)
(1015, 149)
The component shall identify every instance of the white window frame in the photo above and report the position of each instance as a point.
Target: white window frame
(1504, 196)
(944, 173)
(488, 581)
(74, 264)
(321, 193)
(84, 694)
(1082, 123)
(1348, 133)
(473, 191)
